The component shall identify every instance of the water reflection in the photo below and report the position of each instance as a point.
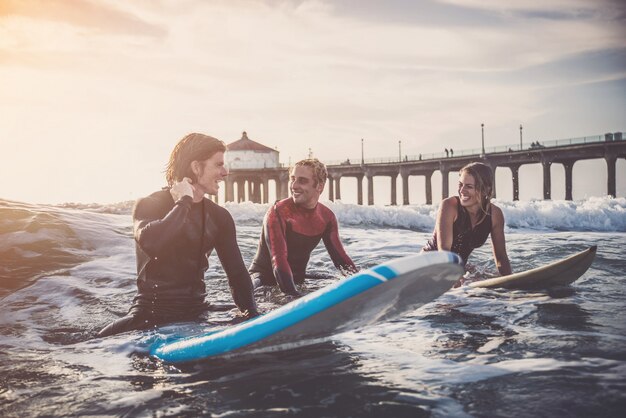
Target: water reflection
(318, 380)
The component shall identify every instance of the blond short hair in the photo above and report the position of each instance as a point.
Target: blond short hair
(319, 169)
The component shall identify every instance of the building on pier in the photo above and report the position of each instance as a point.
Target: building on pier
(252, 167)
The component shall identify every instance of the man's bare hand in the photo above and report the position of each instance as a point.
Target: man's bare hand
(181, 188)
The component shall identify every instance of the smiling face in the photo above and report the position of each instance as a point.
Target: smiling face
(209, 173)
(305, 190)
(468, 193)
(476, 186)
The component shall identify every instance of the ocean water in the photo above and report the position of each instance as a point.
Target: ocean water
(66, 271)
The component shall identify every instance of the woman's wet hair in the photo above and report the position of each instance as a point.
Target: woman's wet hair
(193, 147)
(483, 179)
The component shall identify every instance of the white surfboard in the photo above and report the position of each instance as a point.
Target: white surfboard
(370, 296)
(558, 273)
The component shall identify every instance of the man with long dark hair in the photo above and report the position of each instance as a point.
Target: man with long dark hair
(175, 231)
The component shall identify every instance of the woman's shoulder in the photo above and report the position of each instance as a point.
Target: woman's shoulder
(497, 217)
(451, 203)
(495, 210)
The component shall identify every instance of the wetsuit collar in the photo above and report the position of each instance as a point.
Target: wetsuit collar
(305, 209)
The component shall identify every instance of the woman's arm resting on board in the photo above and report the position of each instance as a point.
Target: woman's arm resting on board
(498, 241)
(445, 221)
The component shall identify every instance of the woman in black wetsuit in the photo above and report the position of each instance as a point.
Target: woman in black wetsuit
(175, 231)
(465, 221)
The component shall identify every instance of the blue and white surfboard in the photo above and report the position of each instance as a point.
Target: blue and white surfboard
(367, 297)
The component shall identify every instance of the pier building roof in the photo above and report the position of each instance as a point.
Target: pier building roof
(246, 144)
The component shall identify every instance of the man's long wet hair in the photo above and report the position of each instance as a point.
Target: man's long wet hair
(193, 147)
(320, 173)
(483, 179)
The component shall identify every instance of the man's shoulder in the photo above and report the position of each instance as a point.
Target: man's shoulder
(284, 203)
(322, 207)
(163, 194)
(157, 201)
(284, 206)
(325, 211)
(216, 209)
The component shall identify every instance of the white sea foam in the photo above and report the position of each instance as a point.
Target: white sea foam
(593, 214)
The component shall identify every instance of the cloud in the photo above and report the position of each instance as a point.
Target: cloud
(570, 8)
(571, 70)
(81, 13)
(298, 74)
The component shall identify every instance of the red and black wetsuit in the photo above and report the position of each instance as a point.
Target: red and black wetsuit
(290, 233)
(464, 237)
(173, 241)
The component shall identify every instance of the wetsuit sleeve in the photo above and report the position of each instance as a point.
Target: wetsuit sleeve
(152, 230)
(274, 231)
(230, 256)
(335, 249)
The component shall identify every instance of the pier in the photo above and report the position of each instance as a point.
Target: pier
(609, 147)
(253, 184)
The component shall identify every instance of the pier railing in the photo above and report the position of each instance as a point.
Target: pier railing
(253, 184)
(488, 150)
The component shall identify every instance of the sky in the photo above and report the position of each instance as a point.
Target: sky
(94, 94)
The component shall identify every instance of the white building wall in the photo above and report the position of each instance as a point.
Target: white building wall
(251, 159)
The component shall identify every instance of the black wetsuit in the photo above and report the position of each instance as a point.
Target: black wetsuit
(464, 237)
(290, 233)
(173, 241)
